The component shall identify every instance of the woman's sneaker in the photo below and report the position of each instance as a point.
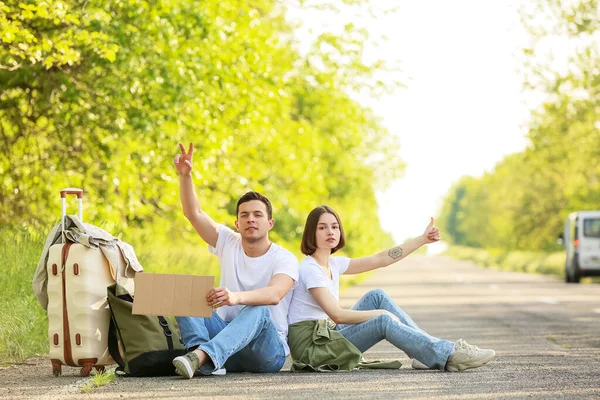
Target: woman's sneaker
(416, 364)
(467, 356)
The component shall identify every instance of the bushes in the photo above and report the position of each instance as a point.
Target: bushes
(519, 261)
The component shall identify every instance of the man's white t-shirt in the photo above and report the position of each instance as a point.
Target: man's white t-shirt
(304, 306)
(240, 273)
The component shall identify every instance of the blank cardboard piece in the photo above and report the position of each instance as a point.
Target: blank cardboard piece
(172, 295)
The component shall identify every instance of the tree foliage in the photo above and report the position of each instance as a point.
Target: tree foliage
(98, 94)
(523, 202)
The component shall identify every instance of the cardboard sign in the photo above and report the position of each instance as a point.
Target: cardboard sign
(172, 295)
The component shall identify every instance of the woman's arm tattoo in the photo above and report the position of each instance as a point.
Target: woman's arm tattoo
(395, 252)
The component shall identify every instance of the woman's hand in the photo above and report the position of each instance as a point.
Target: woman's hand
(432, 233)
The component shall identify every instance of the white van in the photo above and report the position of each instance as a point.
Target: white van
(582, 243)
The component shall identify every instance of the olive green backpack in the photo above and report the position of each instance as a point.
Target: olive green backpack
(148, 343)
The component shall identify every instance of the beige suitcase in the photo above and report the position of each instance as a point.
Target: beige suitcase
(78, 319)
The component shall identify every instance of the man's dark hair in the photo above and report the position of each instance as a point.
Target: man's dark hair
(309, 237)
(255, 196)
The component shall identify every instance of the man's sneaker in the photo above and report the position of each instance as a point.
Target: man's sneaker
(187, 365)
(468, 356)
(220, 371)
(416, 364)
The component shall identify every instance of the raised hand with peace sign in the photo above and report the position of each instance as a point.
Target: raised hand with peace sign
(183, 161)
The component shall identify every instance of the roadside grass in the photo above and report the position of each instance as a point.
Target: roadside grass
(518, 261)
(99, 378)
(23, 323)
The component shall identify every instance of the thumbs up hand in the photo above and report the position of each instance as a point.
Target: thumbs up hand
(432, 233)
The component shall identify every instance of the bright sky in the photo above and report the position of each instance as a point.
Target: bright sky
(462, 110)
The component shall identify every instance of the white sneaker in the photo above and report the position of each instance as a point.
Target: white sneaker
(467, 356)
(416, 364)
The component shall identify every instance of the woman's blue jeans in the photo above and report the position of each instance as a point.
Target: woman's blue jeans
(406, 336)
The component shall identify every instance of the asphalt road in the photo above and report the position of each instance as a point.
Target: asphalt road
(546, 335)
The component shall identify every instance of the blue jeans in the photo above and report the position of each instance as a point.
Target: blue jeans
(406, 336)
(249, 343)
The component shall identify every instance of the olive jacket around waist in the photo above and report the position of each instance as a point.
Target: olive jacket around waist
(316, 346)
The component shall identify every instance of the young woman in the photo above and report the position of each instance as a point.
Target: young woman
(375, 317)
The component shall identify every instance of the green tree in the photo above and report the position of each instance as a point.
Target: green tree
(529, 194)
(97, 95)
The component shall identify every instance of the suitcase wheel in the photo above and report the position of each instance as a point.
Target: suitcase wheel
(87, 368)
(56, 368)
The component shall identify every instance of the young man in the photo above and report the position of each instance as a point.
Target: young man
(248, 332)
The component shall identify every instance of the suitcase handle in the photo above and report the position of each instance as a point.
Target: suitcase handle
(63, 200)
(65, 192)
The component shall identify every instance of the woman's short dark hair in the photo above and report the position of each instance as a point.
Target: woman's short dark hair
(249, 196)
(309, 237)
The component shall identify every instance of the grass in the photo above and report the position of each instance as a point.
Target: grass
(553, 339)
(519, 261)
(98, 379)
(24, 325)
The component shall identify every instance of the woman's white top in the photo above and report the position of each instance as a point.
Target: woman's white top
(303, 306)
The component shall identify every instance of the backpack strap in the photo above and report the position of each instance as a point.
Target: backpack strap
(167, 331)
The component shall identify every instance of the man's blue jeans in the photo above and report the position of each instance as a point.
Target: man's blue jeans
(406, 336)
(249, 343)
